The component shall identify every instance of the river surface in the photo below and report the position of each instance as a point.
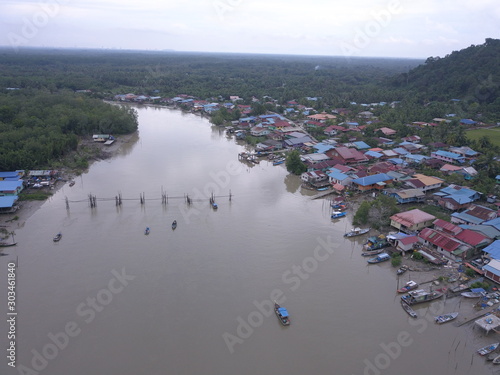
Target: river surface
(109, 300)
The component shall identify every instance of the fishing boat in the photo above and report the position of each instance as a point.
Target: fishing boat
(71, 183)
(174, 224)
(340, 207)
(338, 214)
(440, 319)
(410, 285)
(282, 314)
(420, 296)
(371, 253)
(278, 161)
(409, 310)
(488, 348)
(496, 360)
(214, 205)
(57, 237)
(147, 230)
(356, 232)
(402, 270)
(382, 257)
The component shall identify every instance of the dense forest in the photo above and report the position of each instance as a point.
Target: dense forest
(469, 77)
(37, 127)
(204, 75)
(42, 114)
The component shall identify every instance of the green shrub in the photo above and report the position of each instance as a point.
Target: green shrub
(470, 272)
(396, 261)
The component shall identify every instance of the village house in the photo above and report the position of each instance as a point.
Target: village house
(10, 188)
(445, 245)
(339, 178)
(322, 117)
(447, 156)
(372, 182)
(315, 177)
(412, 221)
(456, 197)
(8, 203)
(474, 215)
(426, 183)
(407, 195)
(388, 132)
(348, 155)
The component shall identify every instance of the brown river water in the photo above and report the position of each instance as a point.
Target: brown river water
(109, 300)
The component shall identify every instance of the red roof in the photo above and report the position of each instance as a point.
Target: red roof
(439, 239)
(470, 237)
(408, 240)
(412, 217)
(446, 226)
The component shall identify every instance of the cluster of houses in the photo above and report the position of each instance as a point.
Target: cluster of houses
(12, 184)
(475, 233)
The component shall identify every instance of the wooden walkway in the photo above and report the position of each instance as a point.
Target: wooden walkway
(477, 315)
(323, 194)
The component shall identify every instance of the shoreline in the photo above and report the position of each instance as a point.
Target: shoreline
(29, 207)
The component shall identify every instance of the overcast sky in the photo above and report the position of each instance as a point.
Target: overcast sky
(393, 28)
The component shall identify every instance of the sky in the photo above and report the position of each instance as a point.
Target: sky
(375, 28)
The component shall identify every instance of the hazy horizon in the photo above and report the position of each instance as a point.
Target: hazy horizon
(376, 28)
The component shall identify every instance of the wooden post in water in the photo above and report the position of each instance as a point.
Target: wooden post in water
(230, 196)
(67, 203)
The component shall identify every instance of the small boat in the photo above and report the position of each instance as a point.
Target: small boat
(472, 294)
(356, 232)
(402, 269)
(490, 357)
(147, 230)
(57, 237)
(340, 207)
(409, 310)
(71, 183)
(214, 206)
(382, 257)
(174, 224)
(410, 285)
(278, 161)
(338, 214)
(445, 318)
(323, 189)
(421, 296)
(371, 253)
(496, 360)
(488, 349)
(282, 314)
(4, 244)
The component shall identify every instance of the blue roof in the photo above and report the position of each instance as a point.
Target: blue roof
(449, 154)
(323, 147)
(493, 249)
(396, 161)
(467, 121)
(491, 269)
(464, 216)
(9, 174)
(243, 119)
(373, 179)
(10, 185)
(360, 145)
(400, 151)
(352, 123)
(339, 176)
(493, 222)
(374, 154)
(8, 201)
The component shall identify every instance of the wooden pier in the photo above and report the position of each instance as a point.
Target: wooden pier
(323, 194)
